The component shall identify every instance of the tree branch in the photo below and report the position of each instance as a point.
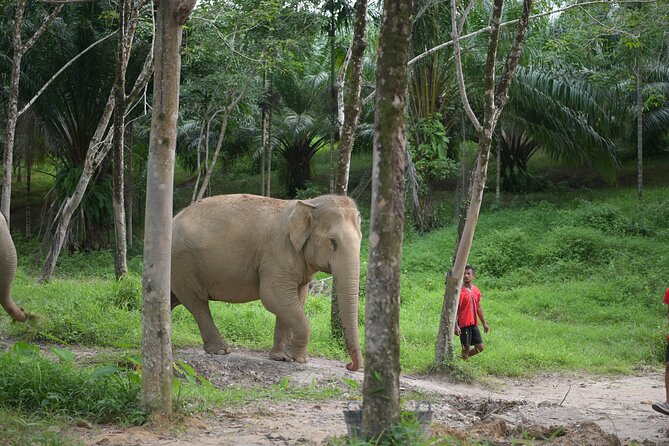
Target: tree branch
(458, 66)
(55, 76)
(511, 22)
(502, 92)
(42, 29)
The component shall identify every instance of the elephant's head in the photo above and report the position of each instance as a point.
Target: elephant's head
(326, 230)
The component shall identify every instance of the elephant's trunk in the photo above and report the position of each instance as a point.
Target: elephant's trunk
(347, 286)
(7, 272)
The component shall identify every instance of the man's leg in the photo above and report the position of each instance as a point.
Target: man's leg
(478, 348)
(666, 381)
(466, 352)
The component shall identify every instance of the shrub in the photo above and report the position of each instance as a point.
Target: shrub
(31, 382)
(128, 294)
(610, 220)
(505, 251)
(568, 243)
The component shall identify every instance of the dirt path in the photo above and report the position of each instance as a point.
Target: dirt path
(590, 411)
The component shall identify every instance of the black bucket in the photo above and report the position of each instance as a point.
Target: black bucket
(424, 418)
(353, 418)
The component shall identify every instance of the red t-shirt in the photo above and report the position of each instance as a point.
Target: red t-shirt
(467, 308)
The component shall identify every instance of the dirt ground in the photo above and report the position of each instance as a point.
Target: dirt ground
(552, 409)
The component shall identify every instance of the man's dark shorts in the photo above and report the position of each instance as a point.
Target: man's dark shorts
(471, 335)
(666, 353)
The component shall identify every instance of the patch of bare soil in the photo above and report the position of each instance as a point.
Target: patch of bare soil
(566, 410)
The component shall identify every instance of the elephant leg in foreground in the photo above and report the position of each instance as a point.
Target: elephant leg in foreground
(291, 332)
(211, 337)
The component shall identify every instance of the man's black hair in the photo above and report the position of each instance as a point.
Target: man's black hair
(470, 267)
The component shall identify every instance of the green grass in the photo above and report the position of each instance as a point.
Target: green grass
(571, 285)
(33, 383)
(572, 282)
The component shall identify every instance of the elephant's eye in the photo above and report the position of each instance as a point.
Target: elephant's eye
(333, 243)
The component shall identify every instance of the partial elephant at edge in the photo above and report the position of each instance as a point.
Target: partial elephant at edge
(239, 248)
(8, 261)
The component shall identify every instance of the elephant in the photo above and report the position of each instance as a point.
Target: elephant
(7, 272)
(238, 248)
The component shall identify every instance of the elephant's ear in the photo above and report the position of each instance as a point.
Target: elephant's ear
(299, 224)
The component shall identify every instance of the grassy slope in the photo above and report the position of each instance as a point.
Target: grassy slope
(574, 283)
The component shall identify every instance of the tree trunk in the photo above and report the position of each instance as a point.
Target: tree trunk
(381, 408)
(97, 150)
(496, 97)
(333, 99)
(498, 174)
(118, 164)
(351, 115)
(210, 166)
(156, 317)
(129, 186)
(352, 97)
(263, 134)
(269, 152)
(13, 113)
(639, 129)
(29, 174)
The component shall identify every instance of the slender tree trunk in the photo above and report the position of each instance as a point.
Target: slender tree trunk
(204, 136)
(263, 134)
(496, 97)
(498, 189)
(118, 164)
(269, 152)
(210, 166)
(351, 115)
(382, 367)
(13, 113)
(333, 100)
(97, 150)
(156, 317)
(129, 185)
(29, 173)
(639, 129)
(352, 104)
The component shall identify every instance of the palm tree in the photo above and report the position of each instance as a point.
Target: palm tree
(301, 127)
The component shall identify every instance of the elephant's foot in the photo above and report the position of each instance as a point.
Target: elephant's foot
(288, 356)
(217, 348)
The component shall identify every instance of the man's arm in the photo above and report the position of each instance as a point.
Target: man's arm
(479, 311)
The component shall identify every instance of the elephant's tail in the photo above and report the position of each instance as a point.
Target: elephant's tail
(173, 301)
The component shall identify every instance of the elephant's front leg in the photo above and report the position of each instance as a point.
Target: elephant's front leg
(291, 332)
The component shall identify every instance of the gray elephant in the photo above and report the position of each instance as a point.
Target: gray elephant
(239, 248)
(7, 272)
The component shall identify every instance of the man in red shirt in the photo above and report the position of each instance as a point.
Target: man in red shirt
(469, 311)
(663, 407)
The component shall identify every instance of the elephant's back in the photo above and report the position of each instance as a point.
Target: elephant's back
(224, 221)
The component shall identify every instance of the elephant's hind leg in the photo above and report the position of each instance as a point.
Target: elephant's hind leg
(211, 337)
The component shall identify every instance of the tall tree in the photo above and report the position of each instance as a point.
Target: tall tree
(496, 97)
(382, 363)
(352, 107)
(352, 102)
(20, 49)
(98, 148)
(156, 318)
(126, 33)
